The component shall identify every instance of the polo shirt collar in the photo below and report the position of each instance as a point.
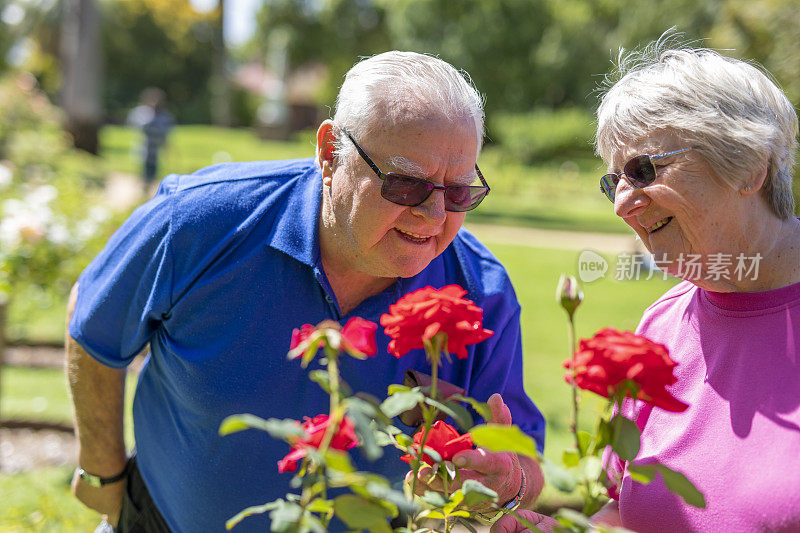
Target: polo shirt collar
(296, 230)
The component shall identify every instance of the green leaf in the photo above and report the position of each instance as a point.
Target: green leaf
(604, 435)
(317, 339)
(501, 438)
(359, 513)
(570, 517)
(250, 511)
(430, 513)
(434, 498)
(625, 438)
(455, 499)
(386, 493)
(680, 485)
(279, 429)
(364, 431)
(467, 525)
(400, 402)
(642, 473)
(455, 411)
(675, 482)
(322, 378)
(394, 387)
(584, 441)
(591, 466)
(482, 408)
(476, 492)
(570, 458)
(405, 441)
(559, 477)
(433, 454)
(285, 517)
(320, 505)
(339, 461)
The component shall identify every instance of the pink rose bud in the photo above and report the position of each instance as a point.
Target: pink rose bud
(569, 293)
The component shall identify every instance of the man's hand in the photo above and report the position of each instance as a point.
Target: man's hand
(508, 524)
(501, 472)
(106, 500)
(98, 394)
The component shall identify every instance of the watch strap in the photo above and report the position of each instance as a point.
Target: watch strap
(97, 481)
(513, 503)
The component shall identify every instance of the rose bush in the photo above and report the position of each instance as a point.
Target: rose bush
(419, 316)
(614, 363)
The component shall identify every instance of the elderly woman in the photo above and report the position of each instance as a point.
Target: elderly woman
(700, 149)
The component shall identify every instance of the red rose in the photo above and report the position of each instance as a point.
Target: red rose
(343, 439)
(442, 438)
(358, 335)
(420, 315)
(299, 336)
(604, 363)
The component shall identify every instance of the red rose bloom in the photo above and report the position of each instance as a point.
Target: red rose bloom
(442, 438)
(343, 439)
(610, 358)
(420, 315)
(358, 335)
(299, 336)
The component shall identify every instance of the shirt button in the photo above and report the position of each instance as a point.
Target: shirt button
(329, 298)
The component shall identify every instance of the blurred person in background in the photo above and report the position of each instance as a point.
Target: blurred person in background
(218, 268)
(155, 122)
(700, 150)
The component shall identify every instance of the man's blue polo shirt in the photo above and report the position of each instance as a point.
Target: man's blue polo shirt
(214, 272)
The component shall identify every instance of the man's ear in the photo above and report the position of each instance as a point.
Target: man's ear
(756, 180)
(325, 150)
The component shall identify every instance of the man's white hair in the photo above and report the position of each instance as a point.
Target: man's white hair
(730, 109)
(388, 87)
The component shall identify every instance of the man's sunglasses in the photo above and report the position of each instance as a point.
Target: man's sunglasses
(639, 171)
(410, 191)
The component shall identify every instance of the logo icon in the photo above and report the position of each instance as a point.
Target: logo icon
(591, 266)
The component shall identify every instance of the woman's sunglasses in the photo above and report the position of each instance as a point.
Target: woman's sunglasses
(410, 191)
(639, 171)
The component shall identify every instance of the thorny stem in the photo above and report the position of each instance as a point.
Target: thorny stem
(573, 427)
(433, 353)
(335, 418)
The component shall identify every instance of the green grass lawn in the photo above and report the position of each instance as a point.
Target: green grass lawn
(41, 393)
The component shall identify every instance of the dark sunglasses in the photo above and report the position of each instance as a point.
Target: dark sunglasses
(639, 171)
(410, 191)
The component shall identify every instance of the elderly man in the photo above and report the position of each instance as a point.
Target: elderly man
(216, 270)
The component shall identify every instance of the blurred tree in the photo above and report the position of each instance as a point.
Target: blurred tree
(220, 77)
(80, 66)
(160, 43)
(335, 32)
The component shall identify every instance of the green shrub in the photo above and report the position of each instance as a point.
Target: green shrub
(52, 218)
(544, 134)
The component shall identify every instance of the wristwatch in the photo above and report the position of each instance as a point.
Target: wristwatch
(97, 481)
(505, 508)
(512, 504)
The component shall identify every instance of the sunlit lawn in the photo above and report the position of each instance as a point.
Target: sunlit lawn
(41, 394)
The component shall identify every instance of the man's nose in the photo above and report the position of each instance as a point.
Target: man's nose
(628, 200)
(432, 209)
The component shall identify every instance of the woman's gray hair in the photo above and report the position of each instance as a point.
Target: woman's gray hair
(385, 88)
(730, 109)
